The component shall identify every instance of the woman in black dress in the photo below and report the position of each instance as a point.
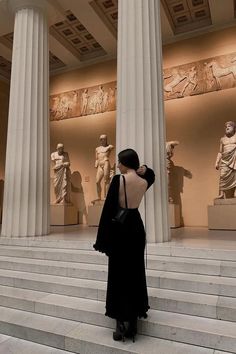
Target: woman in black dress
(124, 244)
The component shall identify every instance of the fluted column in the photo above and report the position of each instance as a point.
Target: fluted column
(26, 190)
(140, 117)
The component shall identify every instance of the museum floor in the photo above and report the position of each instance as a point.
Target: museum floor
(199, 237)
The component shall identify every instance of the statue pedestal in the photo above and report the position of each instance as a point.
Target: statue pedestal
(63, 214)
(174, 215)
(221, 215)
(94, 212)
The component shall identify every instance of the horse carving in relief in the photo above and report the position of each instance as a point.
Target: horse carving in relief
(219, 72)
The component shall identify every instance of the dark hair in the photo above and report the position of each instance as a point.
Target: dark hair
(129, 158)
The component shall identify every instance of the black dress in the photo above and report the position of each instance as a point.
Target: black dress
(124, 245)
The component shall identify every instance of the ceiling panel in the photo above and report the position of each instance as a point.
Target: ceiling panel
(73, 34)
(108, 12)
(187, 15)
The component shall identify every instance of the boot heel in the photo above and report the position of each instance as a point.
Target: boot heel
(119, 334)
(132, 329)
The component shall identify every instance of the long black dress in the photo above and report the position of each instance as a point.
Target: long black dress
(124, 245)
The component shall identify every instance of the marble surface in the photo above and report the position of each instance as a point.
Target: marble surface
(199, 237)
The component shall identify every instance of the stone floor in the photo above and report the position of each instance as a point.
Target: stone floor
(199, 237)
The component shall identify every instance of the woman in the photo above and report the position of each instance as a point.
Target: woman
(124, 244)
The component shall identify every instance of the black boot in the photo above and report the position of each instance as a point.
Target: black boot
(119, 334)
(132, 329)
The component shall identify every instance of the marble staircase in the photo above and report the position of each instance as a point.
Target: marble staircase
(52, 296)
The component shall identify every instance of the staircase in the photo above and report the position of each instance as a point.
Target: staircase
(52, 293)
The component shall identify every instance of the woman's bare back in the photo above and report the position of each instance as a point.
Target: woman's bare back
(135, 189)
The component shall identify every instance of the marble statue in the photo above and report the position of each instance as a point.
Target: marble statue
(226, 162)
(102, 164)
(62, 175)
(170, 145)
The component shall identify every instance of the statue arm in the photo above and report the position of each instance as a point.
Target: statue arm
(96, 159)
(52, 156)
(219, 155)
(66, 162)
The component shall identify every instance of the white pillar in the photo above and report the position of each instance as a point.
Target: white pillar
(140, 117)
(26, 190)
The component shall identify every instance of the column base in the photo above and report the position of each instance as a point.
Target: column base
(221, 216)
(94, 213)
(174, 215)
(63, 214)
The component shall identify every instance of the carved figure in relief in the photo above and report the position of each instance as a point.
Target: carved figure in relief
(208, 76)
(170, 145)
(63, 107)
(191, 80)
(226, 162)
(84, 98)
(62, 175)
(99, 98)
(177, 78)
(102, 164)
(219, 71)
(105, 101)
(112, 97)
(95, 102)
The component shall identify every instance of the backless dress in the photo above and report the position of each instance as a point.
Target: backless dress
(124, 244)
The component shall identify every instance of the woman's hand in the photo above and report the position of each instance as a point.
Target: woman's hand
(141, 170)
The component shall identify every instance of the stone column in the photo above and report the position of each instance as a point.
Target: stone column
(140, 116)
(26, 190)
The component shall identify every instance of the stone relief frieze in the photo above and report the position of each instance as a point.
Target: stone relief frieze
(82, 102)
(211, 74)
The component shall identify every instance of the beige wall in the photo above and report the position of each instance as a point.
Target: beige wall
(198, 123)
(4, 97)
(80, 136)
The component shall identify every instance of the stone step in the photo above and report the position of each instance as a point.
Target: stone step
(192, 265)
(208, 306)
(66, 269)
(26, 255)
(68, 255)
(99, 271)
(94, 289)
(11, 345)
(82, 338)
(48, 242)
(162, 249)
(171, 249)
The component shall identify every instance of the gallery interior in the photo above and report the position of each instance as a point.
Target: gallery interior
(79, 78)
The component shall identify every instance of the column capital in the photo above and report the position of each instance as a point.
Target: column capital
(16, 5)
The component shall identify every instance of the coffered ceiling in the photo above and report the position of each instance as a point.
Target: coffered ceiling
(83, 32)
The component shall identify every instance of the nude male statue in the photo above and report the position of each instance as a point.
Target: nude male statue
(102, 164)
(226, 162)
(62, 175)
